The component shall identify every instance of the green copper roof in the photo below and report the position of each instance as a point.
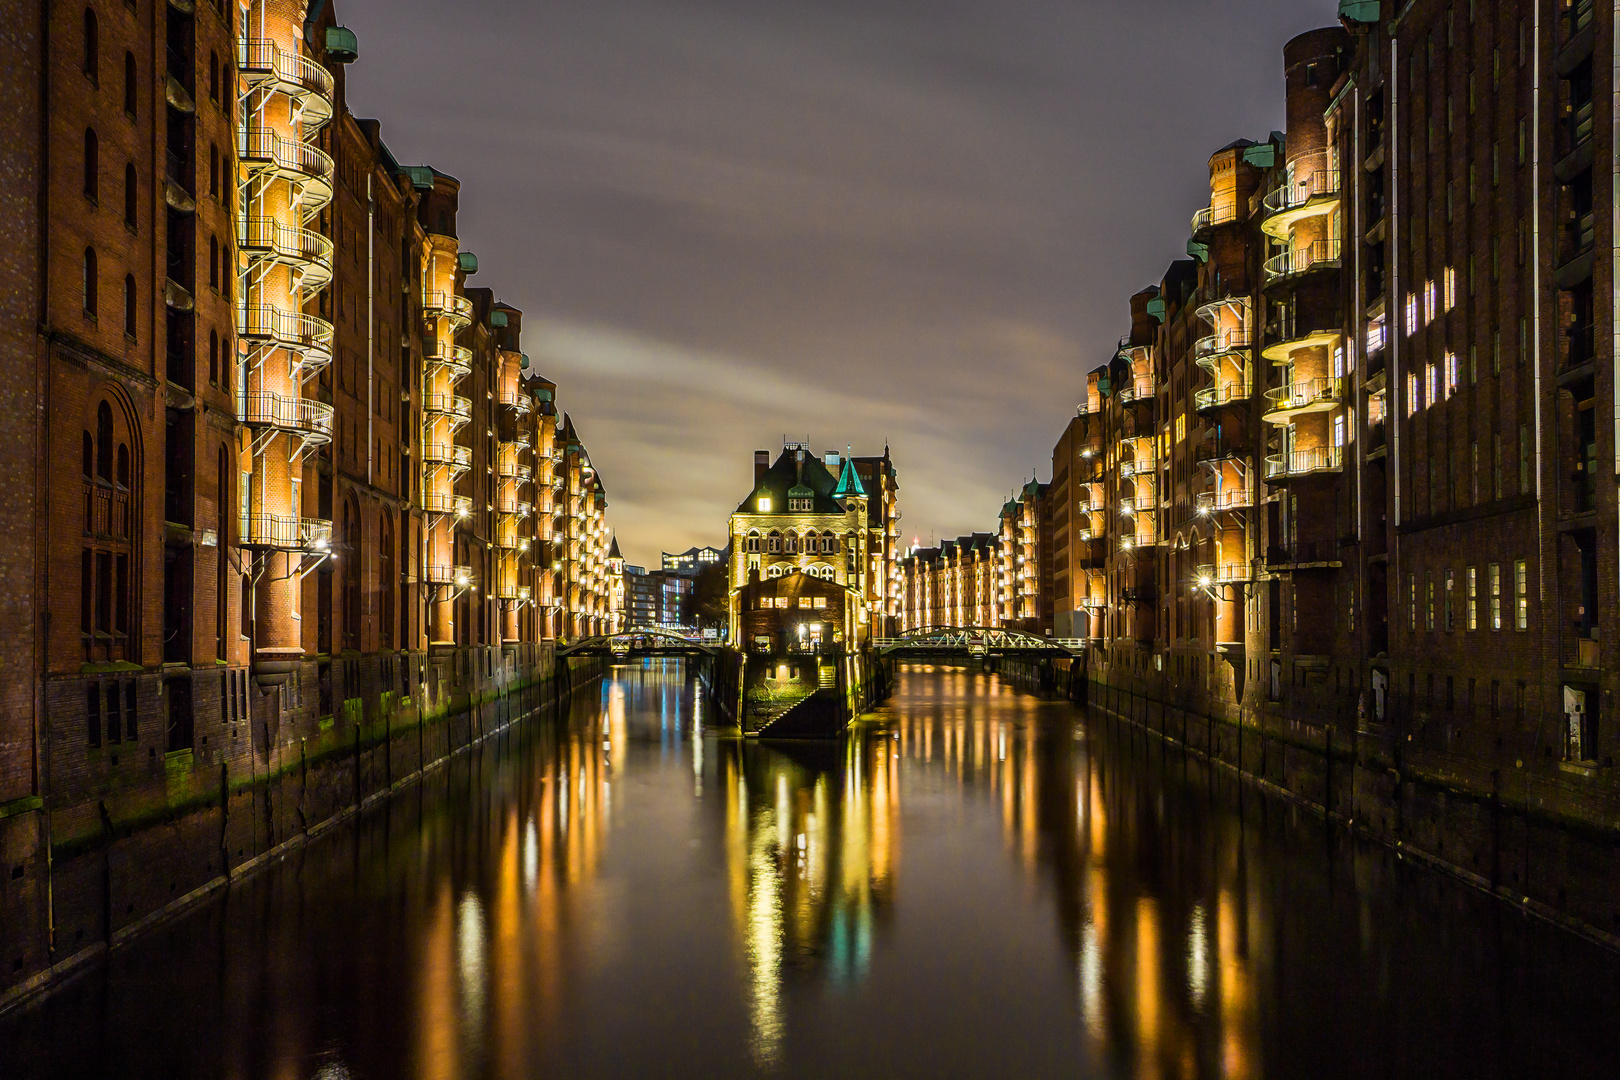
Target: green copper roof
(801, 491)
(1362, 11)
(849, 483)
(1263, 155)
(1198, 251)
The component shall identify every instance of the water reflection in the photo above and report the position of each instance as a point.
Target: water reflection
(811, 832)
(616, 893)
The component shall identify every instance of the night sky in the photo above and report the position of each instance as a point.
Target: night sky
(727, 221)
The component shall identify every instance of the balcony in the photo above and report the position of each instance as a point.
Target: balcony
(509, 469)
(1211, 216)
(1317, 255)
(1304, 463)
(265, 66)
(305, 336)
(308, 168)
(518, 400)
(448, 305)
(312, 420)
(1229, 497)
(509, 532)
(274, 531)
(1142, 465)
(441, 574)
(442, 502)
(1580, 651)
(457, 458)
(456, 360)
(1212, 347)
(306, 252)
(1290, 339)
(1219, 397)
(1230, 573)
(1093, 603)
(1135, 391)
(1312, 190)
(1303, 396)
(510, 504)
(452, 406)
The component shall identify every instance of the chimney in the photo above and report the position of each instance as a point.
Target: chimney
(762, 464)
(832, 461)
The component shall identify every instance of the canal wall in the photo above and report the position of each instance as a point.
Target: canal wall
(127, 836)
(1510, 821)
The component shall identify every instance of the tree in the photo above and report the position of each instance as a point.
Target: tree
(711, 599)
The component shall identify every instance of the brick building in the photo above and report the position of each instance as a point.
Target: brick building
(1341, 509)
(291, 483)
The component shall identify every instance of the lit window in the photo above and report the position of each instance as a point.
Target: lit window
(1450, 297)
(1521, 595)
(1428, 303)
(1451, 373)
(1411, 393)
(1493, 578)
(764, 504)
(1411, 314)
(1471, 600)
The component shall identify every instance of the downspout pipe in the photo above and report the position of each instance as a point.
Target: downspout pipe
(371, 320)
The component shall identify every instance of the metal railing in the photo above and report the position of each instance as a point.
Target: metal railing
(1298, 260)
(307, 335)
(442, 502)
(1305, 462)
(1319, 180)
(513, 470)
(1303, 393)
(1134, 466)
(263, 60)
(287, 244)
(457, 358)
(1215, 397)
(1235, 497)
(443, 574)
(459, 457)
(1223, 574)
(286, 533)
(452, 405)
(516, 399)
(266, 408)
(291, 158)
(454, 307)
(1211, 216)
(1222, 342)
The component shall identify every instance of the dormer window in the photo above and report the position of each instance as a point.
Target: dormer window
(763, 504)
(801, 505)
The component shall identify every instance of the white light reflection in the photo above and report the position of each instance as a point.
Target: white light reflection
(1197, 958)
(470, 959)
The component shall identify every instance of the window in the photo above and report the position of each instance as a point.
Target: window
(92, 164)
(1428, 600)
(213, 170)
(129, 84)
(89, 282)
(213, 262)
(1521, 595)
(1473, 455)
(1496, 465)
(1493, 581)
(1471, 598)
(92, 47)
(1450, 296)
(213, 361)
(764, 504)
(1411, 602)
(213, 77)
(1524, 459)
(129, 306)
(1451, 600)
(131, 194)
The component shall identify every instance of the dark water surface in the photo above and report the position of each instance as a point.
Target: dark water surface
(981, 883)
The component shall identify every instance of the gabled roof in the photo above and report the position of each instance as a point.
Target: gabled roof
(613, 552)
(795, 472)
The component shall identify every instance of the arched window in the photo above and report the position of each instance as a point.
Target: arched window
(353, 545)
(213, 358)
(131, 193)
(129, 84)
(773, 543)
(92, 164)
(129, 304)
(751, 545)
(213, 169)
(791, 546)
(213, 76)
(222, 584)
(90, 281)
(92, 46)
(104, 441)
(108, 555)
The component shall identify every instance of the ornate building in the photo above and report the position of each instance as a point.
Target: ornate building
(815, 516)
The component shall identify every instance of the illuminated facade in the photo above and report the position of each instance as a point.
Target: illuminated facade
(815, 516)
(955, 584)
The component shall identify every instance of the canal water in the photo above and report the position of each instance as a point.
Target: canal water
(980, 883)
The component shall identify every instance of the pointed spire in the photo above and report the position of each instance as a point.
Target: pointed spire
(849, 482)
